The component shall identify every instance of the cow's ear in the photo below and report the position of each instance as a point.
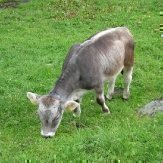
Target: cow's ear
(71, 105)
(33, 97)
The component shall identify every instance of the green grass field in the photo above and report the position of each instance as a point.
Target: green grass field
(34, 40)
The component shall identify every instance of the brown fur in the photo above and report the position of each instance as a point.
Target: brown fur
(48, 100)
(129, 54)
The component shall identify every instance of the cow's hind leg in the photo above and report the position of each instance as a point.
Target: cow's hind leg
(101, 100)
(111, 86)
(127, 72)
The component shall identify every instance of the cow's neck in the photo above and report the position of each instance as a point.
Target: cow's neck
(65, 85)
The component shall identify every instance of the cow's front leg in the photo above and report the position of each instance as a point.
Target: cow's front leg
(101, 100)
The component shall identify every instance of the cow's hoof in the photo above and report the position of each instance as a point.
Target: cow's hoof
(106, 111)
(109, 97)
(126, 95)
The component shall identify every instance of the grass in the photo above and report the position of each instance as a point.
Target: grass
(34, 40)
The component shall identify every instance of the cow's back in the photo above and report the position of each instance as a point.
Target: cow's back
(104, 55)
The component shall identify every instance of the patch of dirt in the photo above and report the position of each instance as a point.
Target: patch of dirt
(7, 4)
(151, 108)
(11, 3)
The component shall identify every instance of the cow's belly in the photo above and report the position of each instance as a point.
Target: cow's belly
(110, 73)
(77, 94)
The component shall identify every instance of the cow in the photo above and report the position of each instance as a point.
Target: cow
(86, 67)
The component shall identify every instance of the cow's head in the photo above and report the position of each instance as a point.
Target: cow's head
(50, 111)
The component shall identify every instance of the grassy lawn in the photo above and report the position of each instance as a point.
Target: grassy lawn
(34, 40)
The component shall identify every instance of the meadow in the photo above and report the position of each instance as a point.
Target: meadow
(34, 40)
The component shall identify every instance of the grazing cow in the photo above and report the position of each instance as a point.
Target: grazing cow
(100, 58)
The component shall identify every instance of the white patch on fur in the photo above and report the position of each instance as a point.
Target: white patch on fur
(106, 106)
(49, 134)
(98, 35)
(102, 33)
(110, 30)
(77, 94)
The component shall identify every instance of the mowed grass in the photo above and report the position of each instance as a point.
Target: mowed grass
(34, 40)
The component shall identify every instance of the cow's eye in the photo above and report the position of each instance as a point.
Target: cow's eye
(46, 121)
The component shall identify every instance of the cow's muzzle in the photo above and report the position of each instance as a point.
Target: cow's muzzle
(47, 134)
